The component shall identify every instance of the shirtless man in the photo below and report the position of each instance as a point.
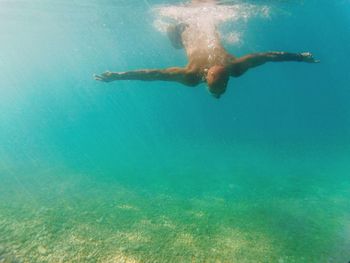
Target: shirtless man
(208, 61)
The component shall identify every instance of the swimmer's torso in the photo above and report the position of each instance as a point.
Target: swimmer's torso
(203, 48)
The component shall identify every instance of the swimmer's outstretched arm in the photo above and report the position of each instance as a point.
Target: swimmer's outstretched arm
(241, 65)
(170, 74)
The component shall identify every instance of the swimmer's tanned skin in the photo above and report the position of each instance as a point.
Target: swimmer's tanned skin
(211, 64)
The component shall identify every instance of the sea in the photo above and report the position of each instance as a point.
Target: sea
(157, 172)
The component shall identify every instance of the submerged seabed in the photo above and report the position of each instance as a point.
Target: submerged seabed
(265, 206)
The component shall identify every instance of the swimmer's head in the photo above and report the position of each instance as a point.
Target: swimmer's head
(217, 79)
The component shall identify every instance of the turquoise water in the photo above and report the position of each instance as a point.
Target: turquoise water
(158, 172)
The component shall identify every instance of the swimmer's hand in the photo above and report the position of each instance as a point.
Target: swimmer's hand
(308, 58)
(106, 76)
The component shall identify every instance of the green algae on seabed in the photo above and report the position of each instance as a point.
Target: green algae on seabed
(242, 216)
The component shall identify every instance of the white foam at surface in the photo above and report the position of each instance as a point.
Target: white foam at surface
(207, 17)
